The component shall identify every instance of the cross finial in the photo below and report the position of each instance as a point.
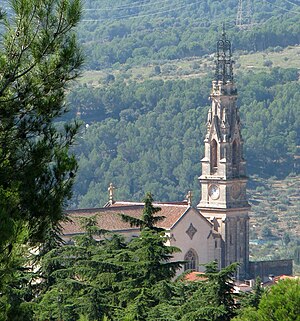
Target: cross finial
(111, 189)
(189, 197)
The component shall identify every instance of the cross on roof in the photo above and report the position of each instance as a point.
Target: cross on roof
(189, 197)
(111, 189)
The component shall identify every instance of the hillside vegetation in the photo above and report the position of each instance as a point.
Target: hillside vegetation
(149, 135)
(138, 32)
(195, 67)
(274, 219)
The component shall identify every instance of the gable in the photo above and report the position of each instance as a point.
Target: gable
(191, 226)
(196, 213)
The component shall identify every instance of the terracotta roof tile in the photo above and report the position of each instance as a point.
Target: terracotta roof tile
(108, 218)
(284, 277)
(195, 276)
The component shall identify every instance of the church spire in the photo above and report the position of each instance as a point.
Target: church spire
(224, 62)
(223, 179)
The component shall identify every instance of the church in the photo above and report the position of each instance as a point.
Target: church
(218, 228)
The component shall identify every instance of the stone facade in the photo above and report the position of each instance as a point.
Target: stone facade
(266, 269)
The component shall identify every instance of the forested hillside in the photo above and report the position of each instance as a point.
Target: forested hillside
(151, 134)
(142, 31)
(144, 96)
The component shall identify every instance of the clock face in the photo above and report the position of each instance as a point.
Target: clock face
(214, 191)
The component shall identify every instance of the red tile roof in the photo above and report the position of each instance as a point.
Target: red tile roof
(108, 217)
(195, 276)
(284, 277)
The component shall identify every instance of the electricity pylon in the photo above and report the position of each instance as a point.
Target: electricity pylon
(244, 14)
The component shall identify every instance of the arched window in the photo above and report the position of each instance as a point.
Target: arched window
(234, 154)
(214, 156)
(192, 260)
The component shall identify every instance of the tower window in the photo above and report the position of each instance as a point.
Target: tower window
(214, 156)
(192, 260)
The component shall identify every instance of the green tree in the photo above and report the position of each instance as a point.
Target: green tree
(297, 255)
(213, 300)
(39, 57)
(253, 298)
(280, 302)
(148, 219)
(107, 278)
(81, 279)
(17, 290)
(147, 266)
(286, 238)
(266, 231)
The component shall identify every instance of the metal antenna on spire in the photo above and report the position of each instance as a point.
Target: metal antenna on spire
(224, 62)
(244, 14)
(224, 30)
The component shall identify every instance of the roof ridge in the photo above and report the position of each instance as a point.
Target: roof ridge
(181, 203)
(126, 204)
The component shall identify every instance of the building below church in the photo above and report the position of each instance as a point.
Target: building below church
(218, 229)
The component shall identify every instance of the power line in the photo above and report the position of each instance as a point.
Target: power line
(126, 7)
(288, 10)
(292, 3)
(145, 15)
(273, 17)
(133, 16)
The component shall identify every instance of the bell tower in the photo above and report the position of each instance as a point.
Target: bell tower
(223, 180)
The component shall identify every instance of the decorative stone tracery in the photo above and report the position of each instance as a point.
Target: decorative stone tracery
(192, 260)
(191, 231)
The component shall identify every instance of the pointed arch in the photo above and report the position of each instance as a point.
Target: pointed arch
(214, 156)
(192, 260)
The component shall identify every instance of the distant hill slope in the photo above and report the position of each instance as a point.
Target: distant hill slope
(145, 95)
(137, 32)
(151, 136)
(274, 219)
(195, 67)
